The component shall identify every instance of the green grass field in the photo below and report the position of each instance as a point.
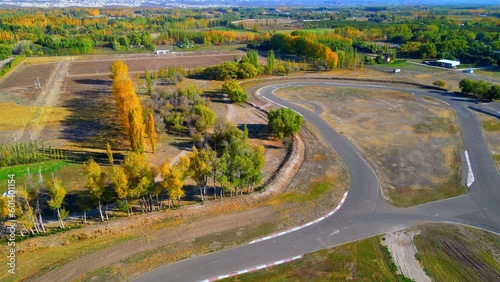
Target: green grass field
(361, 261)
(71, 174)
(491, 126)
(489, 73)
(22, 170)
(447, 252)
(456, 253)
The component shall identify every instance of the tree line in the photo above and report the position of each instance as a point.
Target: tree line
(480, 89)
(27, 153)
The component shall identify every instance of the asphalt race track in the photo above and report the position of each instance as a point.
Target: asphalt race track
(364, 213)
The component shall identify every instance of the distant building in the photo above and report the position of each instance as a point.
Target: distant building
(448, 63)
(443, 63)
(162, 49)
(158, 52)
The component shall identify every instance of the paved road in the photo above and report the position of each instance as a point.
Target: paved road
(365, 213)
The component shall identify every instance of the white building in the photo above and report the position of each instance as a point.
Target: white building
(448, 63)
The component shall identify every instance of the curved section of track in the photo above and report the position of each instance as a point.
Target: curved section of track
(364, 213)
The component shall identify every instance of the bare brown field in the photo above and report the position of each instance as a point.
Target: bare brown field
(414, 148)
(19, 86)
(491, 133)
(101, 65)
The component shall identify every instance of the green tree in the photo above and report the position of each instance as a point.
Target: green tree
(253, 58)
(140, 178)
(284, 122)
(439, 83)
(235, 91)
(5, 51)
(427, 51)
(149, 82)
(95, 182)
(151, 131)
(247, 70)
(121, 185)
(224, 71)
(466, 85)
(270, 62)
(173, 178)
(230, 86)
(200, 169)
(240, 164)
(205, 118)
(57, 193)
(109, 153)
(238, 96)
(494, 92)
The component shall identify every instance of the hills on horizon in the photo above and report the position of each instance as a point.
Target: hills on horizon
(247, 3)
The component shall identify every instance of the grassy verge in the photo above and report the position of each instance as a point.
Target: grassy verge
(415, 196)
(361, 261)
(491, 134)
(12, 64)
(447, 252)
(491, 125)
(455, 253)
(312, 193)
(22, 170)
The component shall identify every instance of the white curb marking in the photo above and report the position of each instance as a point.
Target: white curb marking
(305, 225)
(470, 175)
(251, 269)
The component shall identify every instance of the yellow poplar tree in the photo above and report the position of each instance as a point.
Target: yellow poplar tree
(120, 183)
(136, 131)
(57, 193)
(128, 105)
(151, 131)
(109, 152)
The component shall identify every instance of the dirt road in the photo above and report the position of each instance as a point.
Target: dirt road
(403, 252)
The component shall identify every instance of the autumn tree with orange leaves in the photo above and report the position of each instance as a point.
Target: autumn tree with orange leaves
(128, 105)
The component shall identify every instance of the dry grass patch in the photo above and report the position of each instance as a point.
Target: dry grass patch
(12, 116)
(414, 148)
(491, 133)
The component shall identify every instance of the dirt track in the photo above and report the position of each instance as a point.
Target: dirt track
(403, 252)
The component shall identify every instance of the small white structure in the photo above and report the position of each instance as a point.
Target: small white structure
(158, 52)
(448, 63)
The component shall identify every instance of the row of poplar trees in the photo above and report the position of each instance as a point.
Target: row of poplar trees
(237, 165)
(130, 110)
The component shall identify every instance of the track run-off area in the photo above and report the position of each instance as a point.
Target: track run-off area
(364, 213)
